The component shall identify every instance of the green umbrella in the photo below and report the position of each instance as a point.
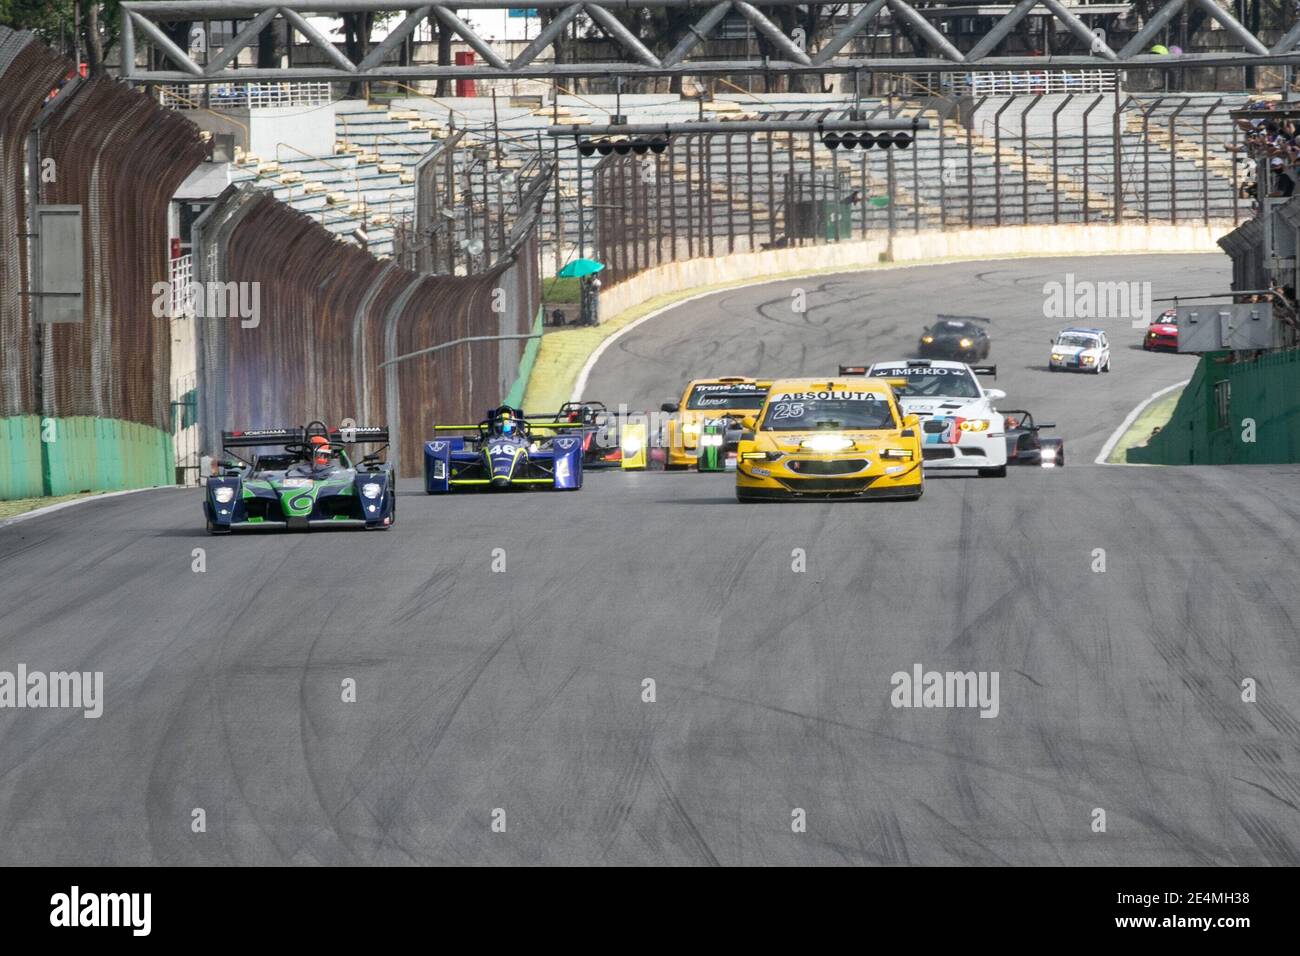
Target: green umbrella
(579, 268)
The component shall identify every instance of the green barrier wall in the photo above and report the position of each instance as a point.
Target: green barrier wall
(515, 397)
(87, 454)
(1207, 425)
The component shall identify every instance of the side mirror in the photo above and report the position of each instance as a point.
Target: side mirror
(911, 421)
(668, 407)
(995, 393)
(748, 422)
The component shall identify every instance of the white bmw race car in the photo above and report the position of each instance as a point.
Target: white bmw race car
(960, 428)
(1080, 350)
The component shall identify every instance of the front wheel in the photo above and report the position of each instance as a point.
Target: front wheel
(999, 472)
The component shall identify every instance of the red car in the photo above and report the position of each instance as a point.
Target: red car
(1162, 334)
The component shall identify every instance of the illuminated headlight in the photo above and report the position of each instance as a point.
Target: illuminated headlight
(690, 428)
(371, 489)
(439, 470)
(896, 453)
(1088, 359)
(827, 443)
(927, 339)
(631, 446)
(758, 456)
(1057, 358)
(224, 494)
(966, 343)
(296, 483)
(711, 440)
(973, 425)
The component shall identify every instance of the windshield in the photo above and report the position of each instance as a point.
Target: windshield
(808, 411)
(932, 381)
(952, 328)
(1077, 341)
(726, 396)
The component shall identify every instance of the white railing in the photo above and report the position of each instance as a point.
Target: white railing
(182, 275)
(242, 96)
(1032, 81)
(1002, 83)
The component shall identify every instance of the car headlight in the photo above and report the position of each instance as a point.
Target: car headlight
(711, 440)
(827, 443)
(973, 425)
(966, 343)
(224, 495)
(1087, 359)
(1057, 357)
(760, 456)
(631, 446)
(896, 453)
(927, 339)
(371, 489)
(690, 428)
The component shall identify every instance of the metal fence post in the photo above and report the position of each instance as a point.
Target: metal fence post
(1205, 160)
(1024, 157)
(1087, 155)
(997, 160)
(1173, 161)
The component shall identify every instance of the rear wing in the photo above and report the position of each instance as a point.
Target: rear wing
(256, 437)
(360, 435)
(990, 370)
(531, 423)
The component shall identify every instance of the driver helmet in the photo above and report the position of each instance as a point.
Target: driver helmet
(320, 449)
(506, 423)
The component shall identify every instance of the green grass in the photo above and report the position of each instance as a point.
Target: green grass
(21, 505)
(1155, 415)
(560, 291)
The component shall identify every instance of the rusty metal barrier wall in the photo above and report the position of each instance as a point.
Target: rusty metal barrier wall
(121, 157)
(335, 324)
(28, 70)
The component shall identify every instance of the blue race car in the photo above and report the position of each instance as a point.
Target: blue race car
(309, 481)
(505, 451)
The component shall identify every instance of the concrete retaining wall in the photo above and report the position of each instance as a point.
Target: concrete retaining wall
(996, 243)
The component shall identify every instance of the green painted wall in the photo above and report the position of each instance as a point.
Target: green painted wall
(515, 397)
(86, 454)
(1266, 390)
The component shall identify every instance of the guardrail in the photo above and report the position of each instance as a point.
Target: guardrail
(242, 96)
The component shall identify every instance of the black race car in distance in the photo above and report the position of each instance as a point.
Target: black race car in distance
(1025, 444)
(961, 338)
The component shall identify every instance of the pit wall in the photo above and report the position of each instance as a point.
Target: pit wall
(998, 243)
(83, 454)
(1201, 432)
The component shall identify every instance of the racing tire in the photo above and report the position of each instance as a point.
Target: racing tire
(998, 472)
(1107, 368)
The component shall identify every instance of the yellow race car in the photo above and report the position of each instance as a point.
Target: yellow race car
(831, 438)
(707, 400)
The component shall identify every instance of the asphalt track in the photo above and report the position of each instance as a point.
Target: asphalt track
(522, 690)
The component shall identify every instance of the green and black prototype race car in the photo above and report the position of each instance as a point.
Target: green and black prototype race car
(303, 478)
